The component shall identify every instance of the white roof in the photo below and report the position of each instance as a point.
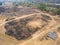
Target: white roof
(57, 4)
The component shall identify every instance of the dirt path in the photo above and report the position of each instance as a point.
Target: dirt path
(39, 33)
(18, 18)
(24, 17)
(28, 16)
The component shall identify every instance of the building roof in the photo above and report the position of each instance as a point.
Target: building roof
(52, 35)
(57, 4)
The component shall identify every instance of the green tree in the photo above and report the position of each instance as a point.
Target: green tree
(58, 12)
(42, 6)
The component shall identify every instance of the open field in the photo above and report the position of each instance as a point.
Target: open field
(40, 24)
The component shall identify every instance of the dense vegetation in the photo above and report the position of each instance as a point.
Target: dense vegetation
(46, 8)
(58, 12)
(42, 6)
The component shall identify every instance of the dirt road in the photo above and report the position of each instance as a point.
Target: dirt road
(38, 33)
(24, 17)
(18, 18)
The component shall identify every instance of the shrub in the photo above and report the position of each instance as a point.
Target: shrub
(42, 6)
(58, 12)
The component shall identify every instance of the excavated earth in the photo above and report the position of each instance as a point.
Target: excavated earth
(25, 27)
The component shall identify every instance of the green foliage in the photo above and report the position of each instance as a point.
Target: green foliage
(58, 12)
(42, 6)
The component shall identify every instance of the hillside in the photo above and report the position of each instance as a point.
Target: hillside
(30, 29)
(16, 11)
(31, 1)
(29, 22)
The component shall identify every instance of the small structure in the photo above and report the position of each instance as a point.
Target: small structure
(57, 5)
(52, 35)
(7, 4)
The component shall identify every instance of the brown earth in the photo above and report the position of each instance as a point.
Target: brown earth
(45, 23)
